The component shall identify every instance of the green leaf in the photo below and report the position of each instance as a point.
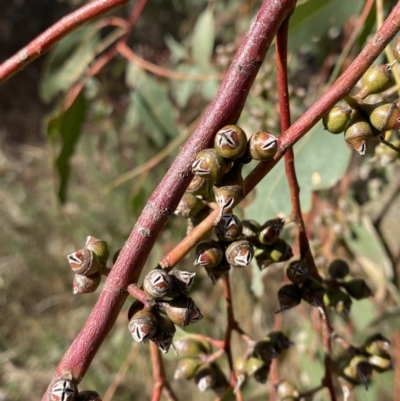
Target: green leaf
(321, 159)
(68, 61)
(362, 314)
(203, 39)
(150, 107)
(178, 51)
(314, 18)
(66, 128)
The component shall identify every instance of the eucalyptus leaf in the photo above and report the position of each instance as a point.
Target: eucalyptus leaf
(203, 39)
(321, 159)
(66, 128)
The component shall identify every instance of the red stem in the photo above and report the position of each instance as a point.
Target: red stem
(54, 34)
(225, 108)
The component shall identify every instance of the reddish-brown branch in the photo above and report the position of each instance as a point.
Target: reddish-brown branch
(225, 109)
(284, 108)
(54, 34)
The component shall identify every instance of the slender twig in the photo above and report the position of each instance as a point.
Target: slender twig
(54, 34)
(225, 109)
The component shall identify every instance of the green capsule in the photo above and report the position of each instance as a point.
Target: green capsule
(269, 232)
(358, 132)
(186, 369)
(376, 79)
(209, 253)
(336, 119)
(230, 142)
(263, 145)
(286, 390)
(99, 247)
(189, 347)
(280, 251)
(209, 164)
(189, 206)
(199, 187)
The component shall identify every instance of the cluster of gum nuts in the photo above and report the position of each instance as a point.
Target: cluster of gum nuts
(361, 121)
(218, 171)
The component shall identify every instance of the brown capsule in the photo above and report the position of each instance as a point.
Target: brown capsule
(250, 231)
(189, 206)
(157, 284)
(263, 145)
(336, 119)
(186, 369)
(189, 347)
(385, 116)
(217, 272)
(86, 284)
(229, 189)
(270, 231)
(229, 228)
(312, 292)
(239, 253)
(142, 326)
(298, 271)
(230, 142)
(209, 253)
(84, 262)
(289, 296)
(182, 282)
(357, 288)
(209, 164)
(63, 390)
(338, 269)
(358, 132)
(99, 247)
(182, 311)
(376, 79)
(165, 331)
(88, 395)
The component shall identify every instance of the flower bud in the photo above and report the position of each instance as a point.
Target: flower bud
(239, 253)
(312, 292)
(298, 271)
(142, 326)
(182, 311)
(84, 262)
(86, 284)
(189, 206)
(289, 296)
(357, 288)
(376, 79)
(209, 253)
(336, 119)
(63, 390)
(157, 284)
(263, 145)
(99, 247)
(338, 269)
(270, 231)
(186, 369)
(230, 142)
(209, 164)
(229, 228)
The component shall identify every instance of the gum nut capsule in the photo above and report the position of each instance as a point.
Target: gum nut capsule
(338, 269)
(230, 142)
(84, 262)
(157, 284)
(239, 253)
(376, 79)
(250, 230)
(86, 284)
(229, 228)
(261, 375)
(289, 296)
(313, 292)
(280, 251)
(209, 253)
(253, 364)
(186, 369)
(298, 271)
(359, 370)
(280, 341)
(381, 363)
(189, 206)
(263, 145)
(376, 344)
(199, 187)
(265, 351)
(336, 119)
(357, 134)
(261, 258)
(270, 231)
(189, 347)
(209, 164)
(88, 395)
(338, 300)
(286, 390)
(229, 189)
(396, 49)
(164, 333)
(99, 247)
(205, 377)
(182, 280)
(385, 116)
(182, 311)
(142, 326)
(135, 307)
(218, 272)
(357, 288)
(63, 390)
